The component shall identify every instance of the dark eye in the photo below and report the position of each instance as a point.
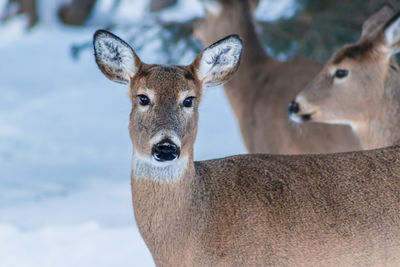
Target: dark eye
(341, 74)
(188, 102)
(143, 100)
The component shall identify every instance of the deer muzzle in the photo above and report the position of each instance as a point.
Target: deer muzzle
(297, 113)
(165, 150)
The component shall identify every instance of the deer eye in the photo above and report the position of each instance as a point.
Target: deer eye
(341, 73)
(143, 100)
(188, 102)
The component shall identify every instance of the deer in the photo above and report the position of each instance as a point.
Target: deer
(359, 86)
(262, 87)
(338, 209)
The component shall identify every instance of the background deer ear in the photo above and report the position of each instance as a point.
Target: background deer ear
(212, 6)
(115, 58)
(217, 63)
(392, 34)
(377, 19)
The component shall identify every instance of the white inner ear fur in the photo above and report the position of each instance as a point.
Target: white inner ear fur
(117, 56)
(219, 60)
(392, 34)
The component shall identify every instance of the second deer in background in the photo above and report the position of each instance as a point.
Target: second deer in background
(359, 86)
(263, 86)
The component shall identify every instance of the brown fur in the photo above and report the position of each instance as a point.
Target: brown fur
(259, 210)
(369, 98)
(262, 88)
(356, 52)
(168, 81)
(263, 210)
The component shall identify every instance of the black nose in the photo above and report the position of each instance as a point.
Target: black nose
(165, 151)
(293, 107)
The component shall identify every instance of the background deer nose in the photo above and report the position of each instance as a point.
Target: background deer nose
(165, 151)
(293, 107)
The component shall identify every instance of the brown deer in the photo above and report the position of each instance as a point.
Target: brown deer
(262, 87)
(359, 86)
(248, 210)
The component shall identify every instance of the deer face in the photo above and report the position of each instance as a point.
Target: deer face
(351, 84)
(165, 99)
(164, 113)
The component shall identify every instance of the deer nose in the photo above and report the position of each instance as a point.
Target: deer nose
(293, 107)
(166, 150)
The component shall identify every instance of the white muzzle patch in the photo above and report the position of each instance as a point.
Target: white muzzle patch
(295, 118)
(164, 134)
(146, 167)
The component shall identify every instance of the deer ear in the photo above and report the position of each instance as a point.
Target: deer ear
(115, 58)
(377, 19)
(217, 63)
(213, 7)
(392, 34)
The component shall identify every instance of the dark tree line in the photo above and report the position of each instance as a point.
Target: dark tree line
(74, 13)
(319, 27)
(314, 31)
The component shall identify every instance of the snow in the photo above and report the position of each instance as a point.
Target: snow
(87, 244)
(65, 152)
(271, 10)
(13, 29)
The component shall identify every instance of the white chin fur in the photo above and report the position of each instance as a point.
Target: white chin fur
(295, 118)
(344, 122)
(145, 167)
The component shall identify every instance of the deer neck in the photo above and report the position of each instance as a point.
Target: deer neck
(161, 206)
(241, 22)
(372, 135)
(382, 128)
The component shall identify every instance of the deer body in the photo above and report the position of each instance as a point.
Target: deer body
(249, 210)
(262, 87)
(359, 86)
(262, 210)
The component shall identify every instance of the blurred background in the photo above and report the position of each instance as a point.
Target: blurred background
(64, 146)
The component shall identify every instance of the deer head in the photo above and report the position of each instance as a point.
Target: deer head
(165, 99)
(350, 88)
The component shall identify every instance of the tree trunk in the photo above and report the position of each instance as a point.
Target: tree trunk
(157, 5)
(28, 7)
(77, 12)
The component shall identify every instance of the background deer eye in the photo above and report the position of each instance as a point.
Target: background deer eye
(188, 102)
(143, 100)
(341, 74)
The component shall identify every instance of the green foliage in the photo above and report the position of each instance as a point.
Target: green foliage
(318, 27)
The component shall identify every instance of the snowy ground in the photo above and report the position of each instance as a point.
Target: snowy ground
(65, 152)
